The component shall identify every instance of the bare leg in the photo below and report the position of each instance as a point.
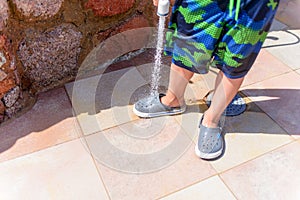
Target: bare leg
(179, 78)
(225, 90)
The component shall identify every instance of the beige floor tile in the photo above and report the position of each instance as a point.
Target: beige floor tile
(206, 81)
(186, 171)
(194, 94)
(278, 26)
(279, 97)
(275, 176)
(196, 90)
(241, 134)
(102, 102)
(66, 171)
(148, 136)
(146, 72)
(248, 136)
(48, 123)
(189, 121)
(288, 13)
(212, 188)
(147, 159)
(141, 146)
(265, 67)
(105, 101)
(285, 46)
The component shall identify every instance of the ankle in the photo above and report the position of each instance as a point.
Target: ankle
(210, 121)
(170, 101)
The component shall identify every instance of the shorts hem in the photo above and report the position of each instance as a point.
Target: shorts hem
(230, 76)
(192, 69)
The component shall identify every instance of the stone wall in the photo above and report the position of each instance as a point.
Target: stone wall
(43, 42)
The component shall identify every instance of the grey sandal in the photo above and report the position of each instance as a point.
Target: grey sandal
(210, 142)
(152, 107)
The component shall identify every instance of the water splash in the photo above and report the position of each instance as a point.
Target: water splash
(156, 75)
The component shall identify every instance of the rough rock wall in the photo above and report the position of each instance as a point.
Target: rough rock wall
(43, 42)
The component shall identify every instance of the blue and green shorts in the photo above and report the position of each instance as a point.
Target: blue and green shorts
(205, 33)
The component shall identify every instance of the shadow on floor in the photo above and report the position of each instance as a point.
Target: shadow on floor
(280, 104)
(49, 122)
(53, 107)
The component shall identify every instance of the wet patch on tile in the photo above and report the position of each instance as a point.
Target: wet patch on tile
(149, 164)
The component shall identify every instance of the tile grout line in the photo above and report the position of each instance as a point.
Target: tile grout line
(186, 187)
(245, 96)
(226, 185)
(99, 173)
(193, 142)
(37, 151)
(270, 117)
(78, 127)
(196, 182)
(178, 190)
(82, 137)
(292, 138)
(95, 165)
(62, 143)
(279, 60)
(219, 174)
(105, 129)
(271, 77)
(281, 146)
(114, 126)
(185, 131)
(259, 156)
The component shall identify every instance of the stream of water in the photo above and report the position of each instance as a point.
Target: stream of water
(156, 75)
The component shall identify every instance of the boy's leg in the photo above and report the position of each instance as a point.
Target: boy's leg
(225, 90)
(211, 142)
(179, 78)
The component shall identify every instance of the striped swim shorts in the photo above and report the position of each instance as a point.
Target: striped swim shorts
(205, 33)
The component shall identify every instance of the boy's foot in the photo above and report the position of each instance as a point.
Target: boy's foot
(210, 142)
(153, 107)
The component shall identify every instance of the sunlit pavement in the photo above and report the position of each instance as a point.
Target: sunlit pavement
(83, 141)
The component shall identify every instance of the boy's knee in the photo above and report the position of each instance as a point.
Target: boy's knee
(182, 71)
